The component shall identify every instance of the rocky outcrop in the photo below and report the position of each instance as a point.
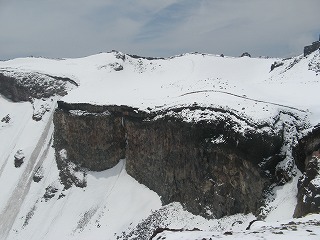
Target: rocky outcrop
(245, 54)
(306, 148)
(309, 189)
(6, 119)
(314, 64)
(19, 158)
(311, 48)
(25, 86)
(307, 157)
(13, 91)
(94, 141)
(208, 166)
(89, 137)
(275, 65)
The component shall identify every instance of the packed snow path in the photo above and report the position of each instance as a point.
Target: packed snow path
(243, 97)
(10, 212)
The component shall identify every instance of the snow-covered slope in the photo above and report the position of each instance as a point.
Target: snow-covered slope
(33, 209)
(244, 84)
(307, 228)
(113, 203)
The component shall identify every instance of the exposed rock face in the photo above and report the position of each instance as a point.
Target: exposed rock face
(309, 189)
(93, 141)
(23, 86)
(19, 158)
(311, 48)
(307, 158)
(13, 91)
(245, 54)
(181, 163)
(90, 137)
(275, 65)
(6, 119)
(207, 166)
(314, 64)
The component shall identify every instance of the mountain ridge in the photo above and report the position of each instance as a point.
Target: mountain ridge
(199, 91)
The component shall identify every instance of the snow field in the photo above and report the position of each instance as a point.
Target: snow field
(114, 203)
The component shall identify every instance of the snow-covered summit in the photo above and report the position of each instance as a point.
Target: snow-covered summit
(113, 204)
(244, 84)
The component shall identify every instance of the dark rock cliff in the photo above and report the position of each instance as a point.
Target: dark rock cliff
(307, 157)
(181, 163)
(91, 139)
(24, 86)
(311, 48)
(13, 91)
(209, 167)
(29, 86)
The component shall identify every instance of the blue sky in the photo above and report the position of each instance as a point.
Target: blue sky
(159, 28)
